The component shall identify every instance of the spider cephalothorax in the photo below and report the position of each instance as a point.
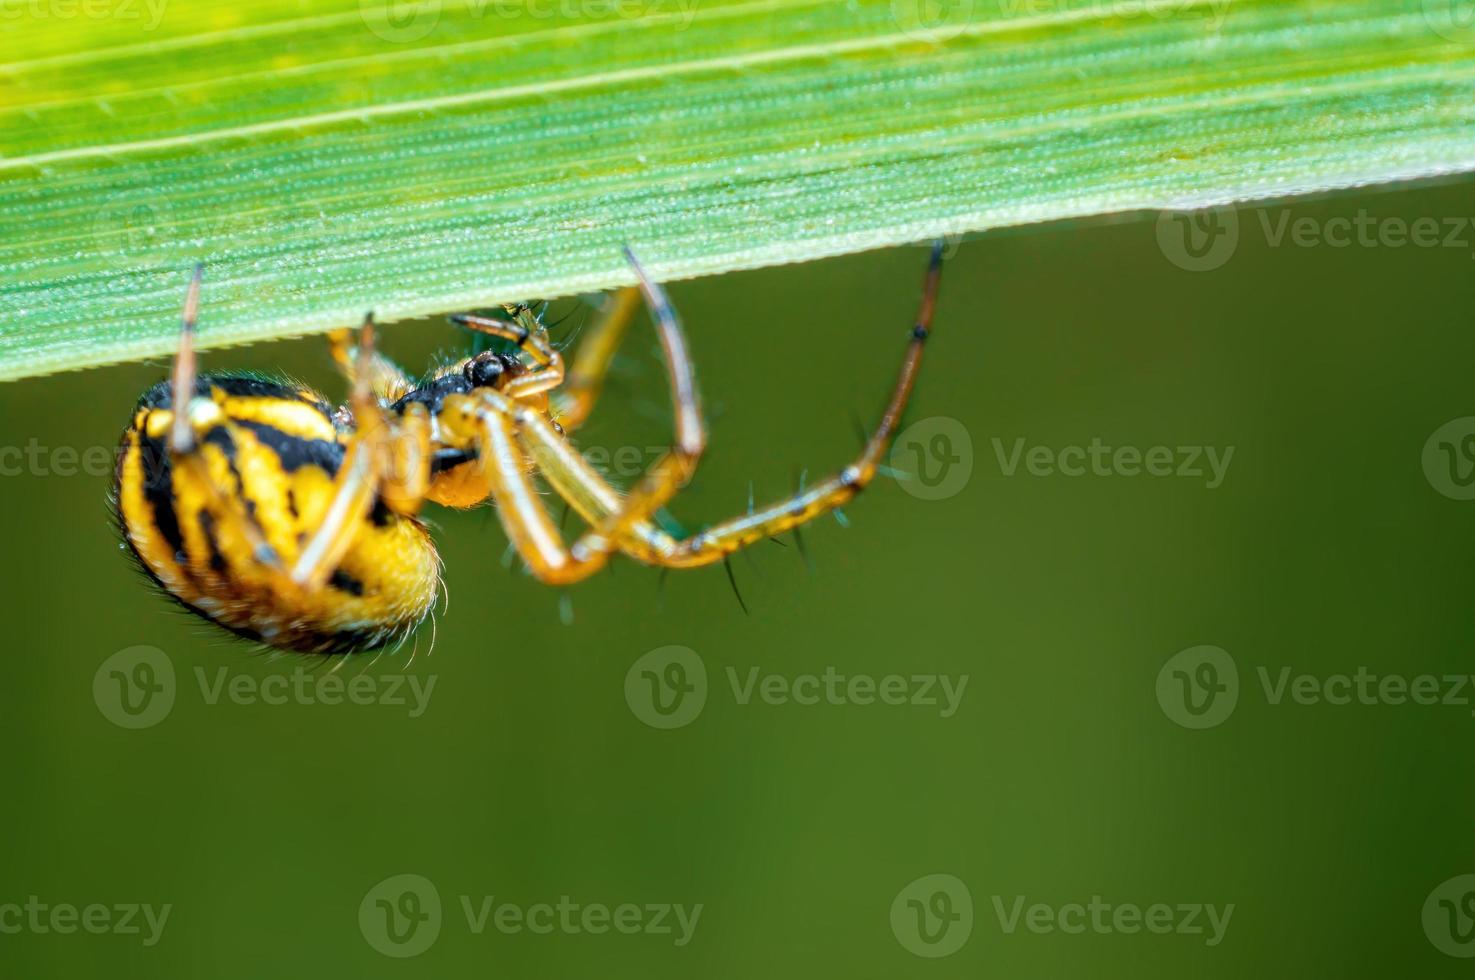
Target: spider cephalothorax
(283, 520)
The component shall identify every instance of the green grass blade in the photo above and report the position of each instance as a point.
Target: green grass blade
(325, 157)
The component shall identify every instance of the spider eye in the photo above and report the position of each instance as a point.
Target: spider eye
(484, 370)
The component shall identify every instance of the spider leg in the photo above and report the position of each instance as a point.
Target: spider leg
(609, 515)
(584, 488)
(357, 483)
(616, 525)
(410, 446)
(676, 466)
(184, 448)
(512, 439)
(720, 540)
(592, 359)
(532, 339)
(181, 435)
(386, 379)
(526, 332)
(669, 473)
(410, 452)
(489, 420)
(510, 435)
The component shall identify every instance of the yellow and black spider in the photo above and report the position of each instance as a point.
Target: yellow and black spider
(258, 506)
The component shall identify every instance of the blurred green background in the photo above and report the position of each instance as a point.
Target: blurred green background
(529, 775)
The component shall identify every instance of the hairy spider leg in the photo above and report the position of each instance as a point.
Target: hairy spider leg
(581, 389)
(532, 339)
(184, 447)
(386, 379)
(507, 433)
(356, 485)
(410, 445)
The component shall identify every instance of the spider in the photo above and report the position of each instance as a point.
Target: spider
(260, 507)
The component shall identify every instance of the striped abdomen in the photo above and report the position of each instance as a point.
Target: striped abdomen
(271, 451)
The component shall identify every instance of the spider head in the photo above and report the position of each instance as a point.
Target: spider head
(486, 370)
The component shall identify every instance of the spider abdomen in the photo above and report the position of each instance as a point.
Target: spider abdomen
(271, 453)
